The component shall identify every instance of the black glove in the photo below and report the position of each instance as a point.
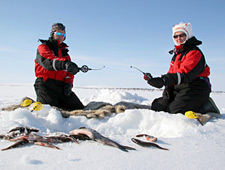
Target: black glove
(72, 68)
(157, 82)
(166, 80)
(170, 79)
(68, 89)
(168, 93)
(147, 76)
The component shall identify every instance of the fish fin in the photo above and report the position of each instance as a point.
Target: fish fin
(46, 145)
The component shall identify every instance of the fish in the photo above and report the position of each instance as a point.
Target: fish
(19, 131)
(148, 137)
(25, 135)
(60, 139)
(22, 129)
(147, 144)
(91, 134)
(17, 144)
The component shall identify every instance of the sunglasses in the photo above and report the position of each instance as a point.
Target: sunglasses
(59, 34)
(181, 35)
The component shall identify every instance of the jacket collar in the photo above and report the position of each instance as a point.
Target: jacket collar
(183, 47)
(54, 42)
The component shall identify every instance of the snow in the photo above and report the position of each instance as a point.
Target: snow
(191, 146)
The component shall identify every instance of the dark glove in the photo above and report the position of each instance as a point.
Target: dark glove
(68, 89)
(72, 68)
(147, 76)
(166, 80)
(168, 93)
(170, 79)
(157, 82)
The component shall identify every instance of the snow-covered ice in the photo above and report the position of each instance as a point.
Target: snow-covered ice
(191, 146)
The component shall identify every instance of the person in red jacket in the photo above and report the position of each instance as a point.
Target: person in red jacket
(55, 72)
(187, 85)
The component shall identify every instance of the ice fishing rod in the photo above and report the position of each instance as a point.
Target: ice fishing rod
(85, 68)
(148, 75)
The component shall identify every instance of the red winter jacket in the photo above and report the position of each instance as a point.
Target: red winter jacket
(50, 61)
(188, 63)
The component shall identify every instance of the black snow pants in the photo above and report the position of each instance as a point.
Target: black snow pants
(185, 97)
(52, 92)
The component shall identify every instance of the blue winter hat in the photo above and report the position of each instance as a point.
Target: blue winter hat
(57, 26)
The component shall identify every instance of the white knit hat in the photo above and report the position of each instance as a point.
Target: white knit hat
(183, 27)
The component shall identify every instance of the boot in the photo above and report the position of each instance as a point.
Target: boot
(209, 106)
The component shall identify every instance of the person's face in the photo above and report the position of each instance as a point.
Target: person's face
(180, 37)
(57, 36)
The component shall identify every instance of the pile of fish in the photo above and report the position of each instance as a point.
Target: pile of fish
(25, 135)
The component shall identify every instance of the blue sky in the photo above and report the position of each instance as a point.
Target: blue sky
(111, 33)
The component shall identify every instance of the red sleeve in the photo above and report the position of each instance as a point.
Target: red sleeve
(47, 59)
(45, 52)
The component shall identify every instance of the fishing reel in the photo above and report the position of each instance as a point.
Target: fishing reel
(85, 68)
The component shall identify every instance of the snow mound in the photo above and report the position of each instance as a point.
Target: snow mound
(129, 123)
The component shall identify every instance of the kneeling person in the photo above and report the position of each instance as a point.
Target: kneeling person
(187, 85)
(55, 72)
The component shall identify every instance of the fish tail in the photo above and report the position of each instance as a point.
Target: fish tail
(161, 147)
(17, 144)
(122, 148)
(128, 148)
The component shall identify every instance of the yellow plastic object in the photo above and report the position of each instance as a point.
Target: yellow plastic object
(37, 106)
(191, 115)
(26, 103)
